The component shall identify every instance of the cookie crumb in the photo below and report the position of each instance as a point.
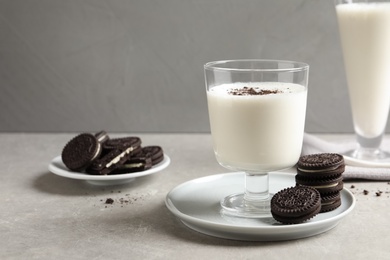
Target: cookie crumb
(352, 186)
(109, 201)
(365, 192)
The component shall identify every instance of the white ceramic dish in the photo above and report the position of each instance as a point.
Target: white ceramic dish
(196, 204)
(57, 167)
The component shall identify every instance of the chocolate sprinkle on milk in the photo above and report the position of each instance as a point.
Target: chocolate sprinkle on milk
(246, 91)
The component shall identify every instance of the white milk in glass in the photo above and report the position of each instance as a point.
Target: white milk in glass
(257, 132)
(365, 38)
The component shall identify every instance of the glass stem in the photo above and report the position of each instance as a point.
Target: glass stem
(256, 187)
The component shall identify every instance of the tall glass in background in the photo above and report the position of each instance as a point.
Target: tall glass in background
(257, 114)
(364, 27)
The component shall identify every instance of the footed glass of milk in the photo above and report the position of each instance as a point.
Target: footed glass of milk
(365, 39)
(257, 114)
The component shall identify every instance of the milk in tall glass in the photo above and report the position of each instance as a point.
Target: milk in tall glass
(365, 37)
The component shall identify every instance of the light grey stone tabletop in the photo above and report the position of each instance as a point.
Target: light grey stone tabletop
(45, 216)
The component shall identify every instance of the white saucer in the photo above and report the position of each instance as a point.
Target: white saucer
(57, 167)
(196, 204)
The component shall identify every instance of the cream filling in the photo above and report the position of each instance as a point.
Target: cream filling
(320, 170)
(325, 186)
(119, 157)
(327, 203)
(132, 165)
(101, 138)
(97, 152)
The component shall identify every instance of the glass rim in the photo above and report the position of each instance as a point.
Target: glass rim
(299, 66)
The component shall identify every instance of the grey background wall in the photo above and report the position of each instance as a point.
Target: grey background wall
(137, 66)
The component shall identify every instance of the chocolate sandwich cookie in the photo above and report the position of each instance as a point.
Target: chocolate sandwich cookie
(110, 161)
(324, 186)
(321, 165)
(330, 202)
(155, 152)
(141, 161)
(122, 143)
(295, 205)
(117, 152)
(102, 136)
(134, 164)
(81, 151)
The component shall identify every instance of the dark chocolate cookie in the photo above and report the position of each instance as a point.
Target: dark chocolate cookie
(110, 161)
(324, 186)
(141, 161)
(330, 202)
(134, 164)
(102, 136)
(117, 152)
(155, 152)
(122, 143)
(321, 165)
(295, 204)
(81, 151)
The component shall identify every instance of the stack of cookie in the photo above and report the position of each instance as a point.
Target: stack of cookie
(324, 173)
(97, 154)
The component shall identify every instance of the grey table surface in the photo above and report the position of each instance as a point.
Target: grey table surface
(45, 216)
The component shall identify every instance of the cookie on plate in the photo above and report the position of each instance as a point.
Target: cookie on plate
(122, 143)
(141, 161)
(81, 151)
(295, 205)
(110, 161)
(134, 164)
(325, 186)
(330, 202)
(118, 151)
(102, 136)
(321, 165)
(155, 152)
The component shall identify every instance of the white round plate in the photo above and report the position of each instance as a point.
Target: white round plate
(57, 167)
(196, 204)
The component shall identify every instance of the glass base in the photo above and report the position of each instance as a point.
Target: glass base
(371, 155)
(236, 205)
(368, 149)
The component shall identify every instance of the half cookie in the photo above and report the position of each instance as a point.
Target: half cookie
(81, 151)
